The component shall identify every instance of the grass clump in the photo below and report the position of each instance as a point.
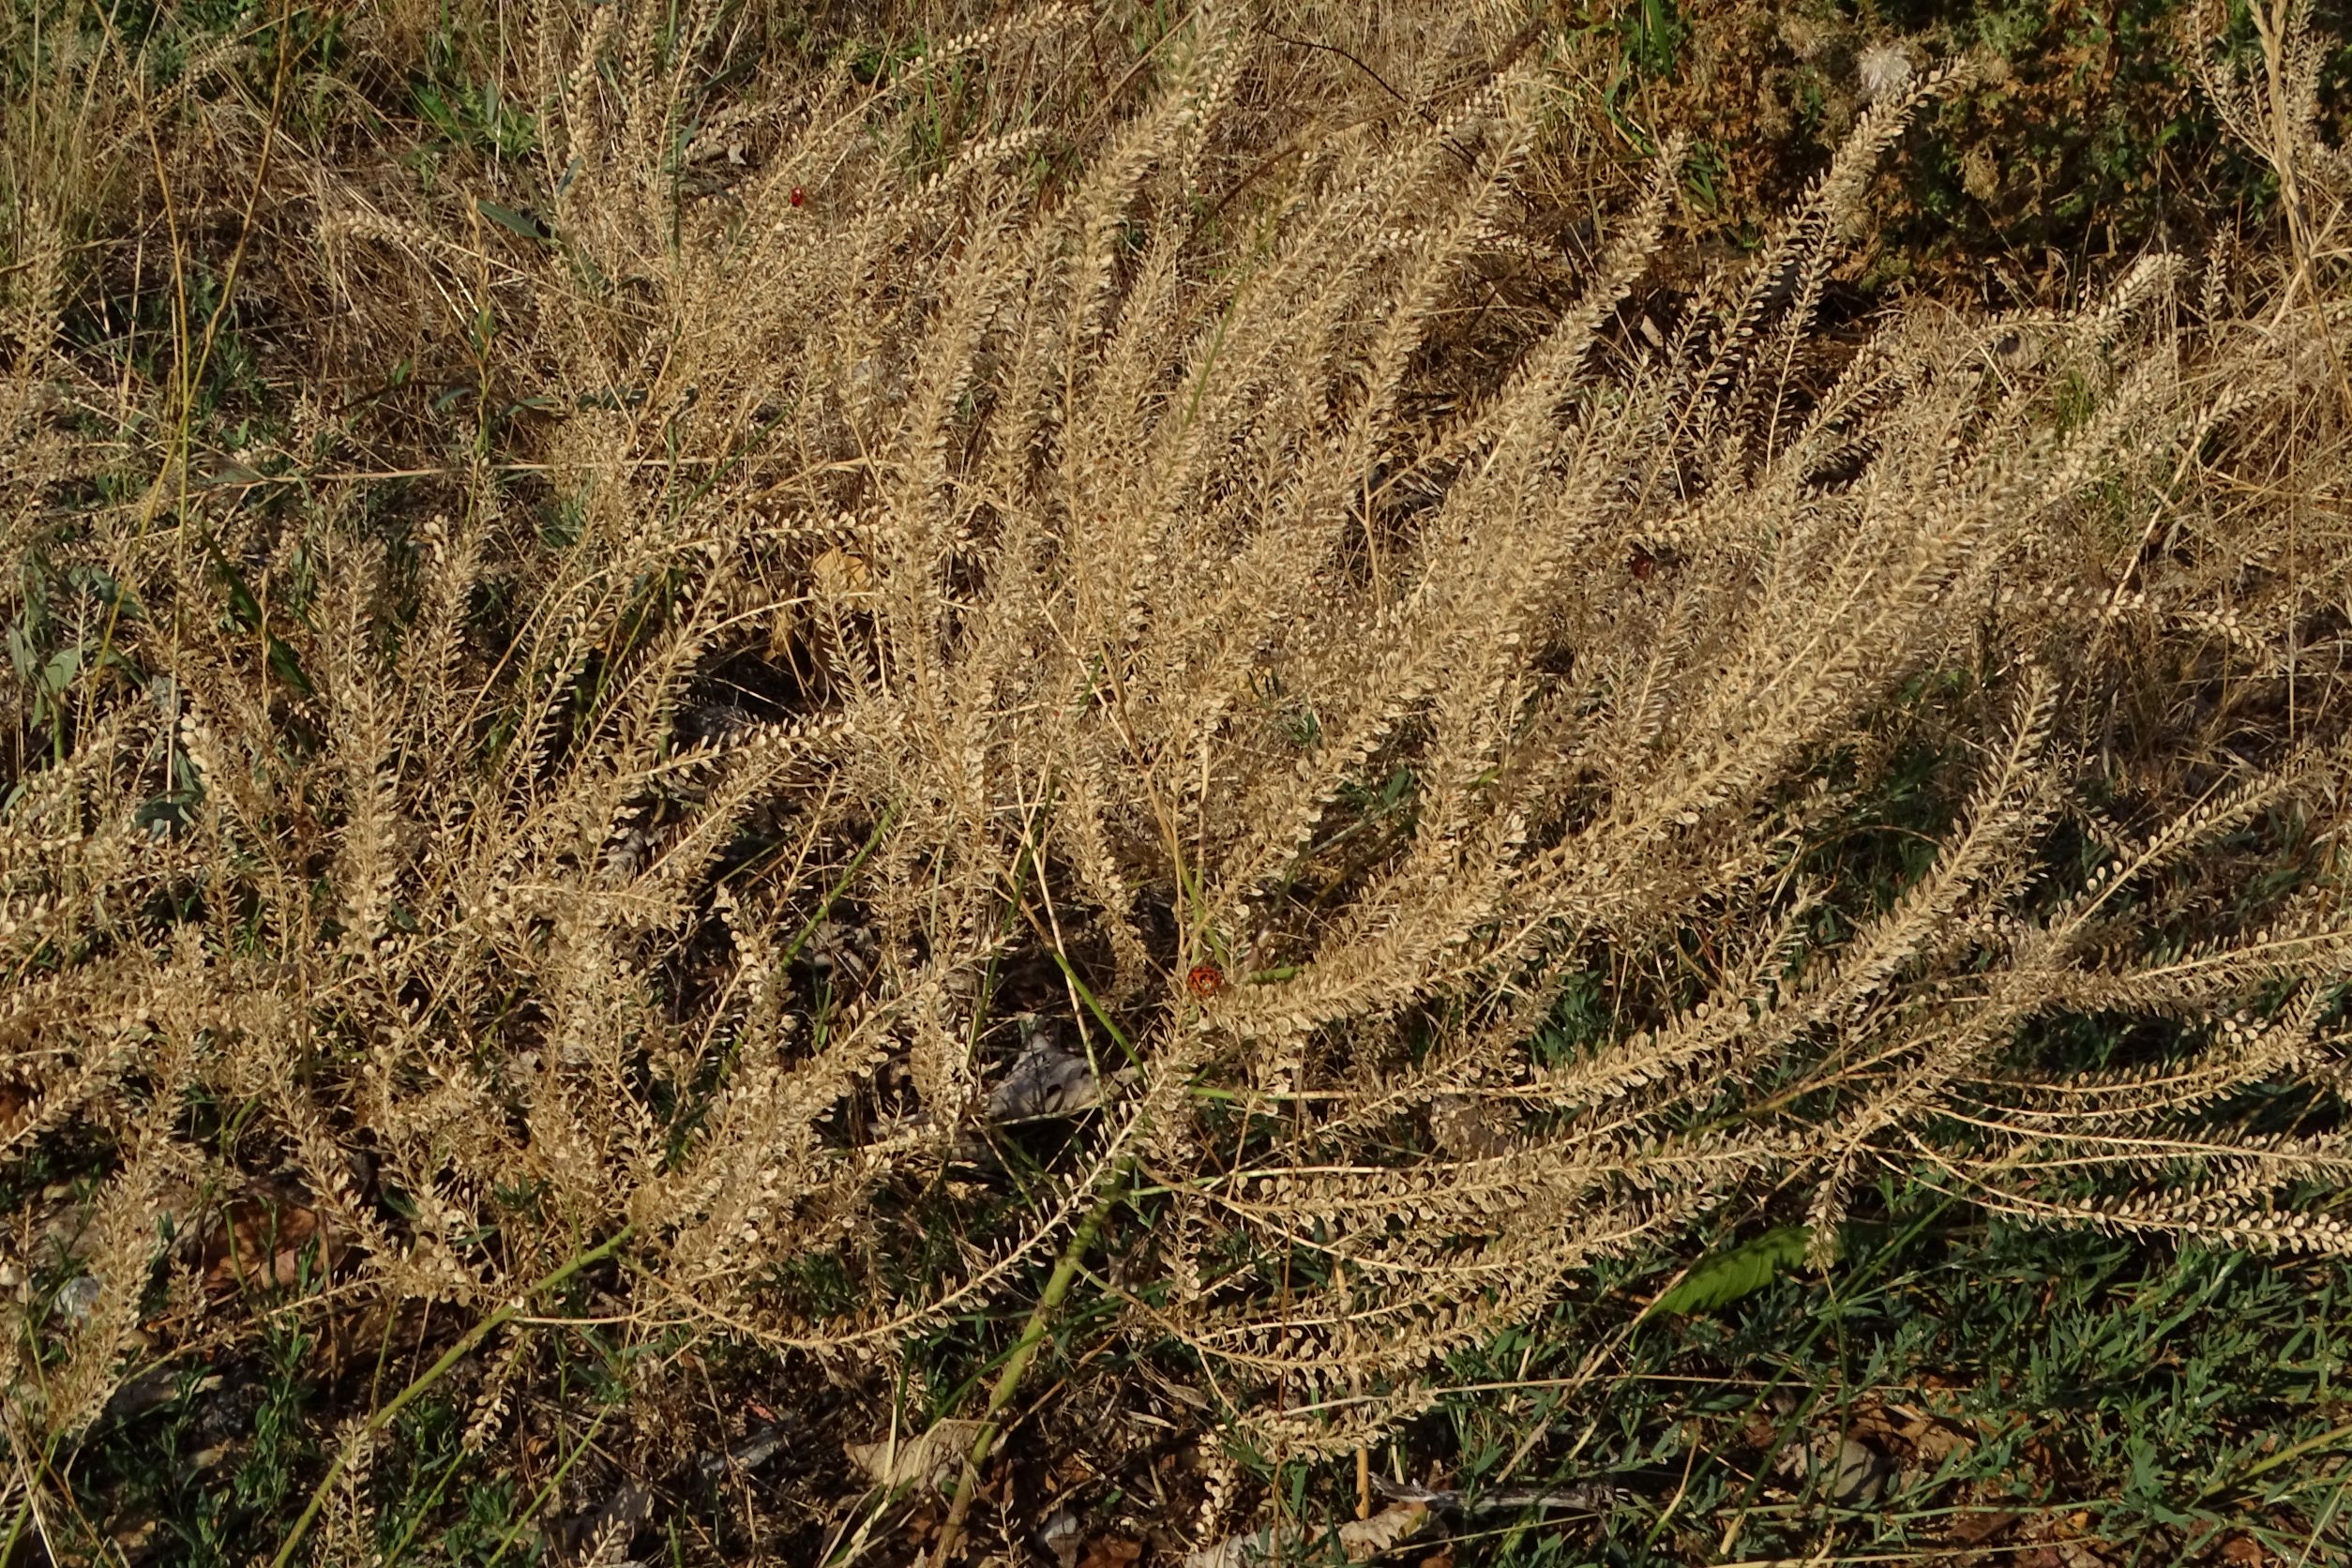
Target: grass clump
(728, 733)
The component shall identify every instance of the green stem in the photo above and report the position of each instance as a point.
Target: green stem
(548, 1491)
(432, 1500)
(2283, 1455)
(824, 910)
(465, 1346)
(1065, 1272)
(16, 1525)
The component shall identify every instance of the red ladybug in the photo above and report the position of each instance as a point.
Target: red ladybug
(799, 195)
(1205, 981)
(1643, 565)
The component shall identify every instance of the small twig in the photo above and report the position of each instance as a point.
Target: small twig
(1352, 59)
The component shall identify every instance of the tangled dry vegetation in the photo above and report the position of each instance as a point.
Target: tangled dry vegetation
(796, 683)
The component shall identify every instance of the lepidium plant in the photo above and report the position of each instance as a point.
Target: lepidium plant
(911, 546)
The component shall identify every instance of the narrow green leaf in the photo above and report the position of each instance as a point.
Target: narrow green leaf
(283, 660)
(243, 605)
(61, 670)
(1724, 1278)
(520, 222)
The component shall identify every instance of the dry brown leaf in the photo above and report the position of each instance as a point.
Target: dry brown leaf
(1043, 1080)
(1932, 1441)
(265, 1243)
(1360, 1539)
(1365, 1538)
(927, 1458)
(1060, 1536)
(839, 574)
(1975, 1530)
(1469, 1127)
(1110, 1551)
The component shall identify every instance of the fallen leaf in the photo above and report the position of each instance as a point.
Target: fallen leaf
(839, 574)
(927, 1458)
(1365, 1538)
(1469, 1128)
(1043, 1080)
(1110, 1551)
(1360, 1538)
(1060, 1537)
(263, 1243)
(1975, 1530)
(77, 1298)
(1932, 1441)
(1847, 1469)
